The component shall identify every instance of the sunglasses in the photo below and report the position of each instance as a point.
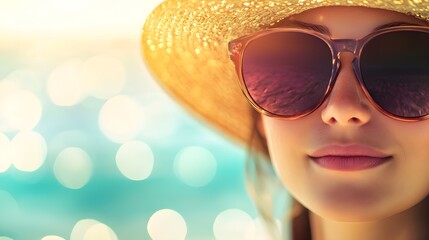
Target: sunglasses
(289, 72)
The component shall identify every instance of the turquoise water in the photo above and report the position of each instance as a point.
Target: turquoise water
(90, 145)
(52, 196)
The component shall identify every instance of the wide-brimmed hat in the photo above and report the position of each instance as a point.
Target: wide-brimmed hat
(184, 44)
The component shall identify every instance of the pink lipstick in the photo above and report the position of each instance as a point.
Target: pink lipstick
(349, 158)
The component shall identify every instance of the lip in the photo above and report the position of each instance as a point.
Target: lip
(349, 158)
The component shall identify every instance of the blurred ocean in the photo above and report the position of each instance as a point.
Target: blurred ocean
(90, 146)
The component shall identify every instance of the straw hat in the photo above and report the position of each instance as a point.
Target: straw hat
(184, 44)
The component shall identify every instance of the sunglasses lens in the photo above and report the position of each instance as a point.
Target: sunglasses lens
(395, 72)
(287, 73)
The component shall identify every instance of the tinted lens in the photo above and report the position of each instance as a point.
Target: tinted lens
(287, 73)
(395, 71)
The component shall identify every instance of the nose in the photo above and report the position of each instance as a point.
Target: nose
(347, 104)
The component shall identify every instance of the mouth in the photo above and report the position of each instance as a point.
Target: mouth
(349, 158)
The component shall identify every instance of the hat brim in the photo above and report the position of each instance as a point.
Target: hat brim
(184, 44)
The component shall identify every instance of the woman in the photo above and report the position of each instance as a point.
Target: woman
(340, 98)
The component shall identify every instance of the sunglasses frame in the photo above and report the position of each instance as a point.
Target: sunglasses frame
(238, 47)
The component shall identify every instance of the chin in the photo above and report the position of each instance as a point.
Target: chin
(355, 211)
(350, 215)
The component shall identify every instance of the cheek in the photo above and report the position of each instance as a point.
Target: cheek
(286, 143)
(413, 157)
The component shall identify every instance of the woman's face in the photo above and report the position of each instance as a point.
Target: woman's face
(347, 124)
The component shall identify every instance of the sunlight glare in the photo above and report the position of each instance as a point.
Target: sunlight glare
(99, 231)
(73, 168)
(28, 151)
(52, 237)
(196, 166)
(105, 76)
(135, 160)
(233, 224)
(120, 118)
(20, 109)
(167, 218)
(65, 85)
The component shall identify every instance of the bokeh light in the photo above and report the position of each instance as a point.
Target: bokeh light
(20, 108)
(5, 158)
(135, 160)
(195, 166)
(160, 120)
(105, 76)
(81, 115)
(66, 84)
(81, 227)
(120, 118)
(73, 168)
(52, 237)
(261, 231)
(99, 231)
(167, 224)
(90, 229)
(233, 224)
(25, 78)
(28, 151)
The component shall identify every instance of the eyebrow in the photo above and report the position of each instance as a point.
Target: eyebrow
(395, 24)
(294, 23)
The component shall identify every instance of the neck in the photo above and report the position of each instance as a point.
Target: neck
(408, 225)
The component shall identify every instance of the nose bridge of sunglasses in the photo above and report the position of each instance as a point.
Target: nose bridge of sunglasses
(345, 45)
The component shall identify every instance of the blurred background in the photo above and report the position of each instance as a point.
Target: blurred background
(90, 146)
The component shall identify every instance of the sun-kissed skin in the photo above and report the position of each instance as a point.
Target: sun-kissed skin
(371, 204)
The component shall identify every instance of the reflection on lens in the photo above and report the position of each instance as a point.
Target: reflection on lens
(395, 71)
(287, 73)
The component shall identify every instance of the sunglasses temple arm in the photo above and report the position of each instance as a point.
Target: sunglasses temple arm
(234, 50)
